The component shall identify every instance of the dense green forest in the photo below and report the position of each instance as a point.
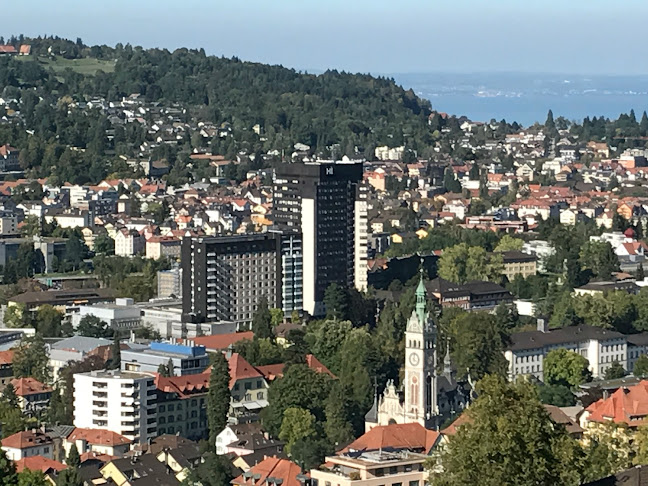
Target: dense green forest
(319, 110)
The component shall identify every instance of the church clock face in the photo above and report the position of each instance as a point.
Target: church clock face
(414, 359)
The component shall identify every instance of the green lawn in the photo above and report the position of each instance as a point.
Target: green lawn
(86, 66)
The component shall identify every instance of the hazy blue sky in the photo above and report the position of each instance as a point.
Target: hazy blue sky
(566, 36)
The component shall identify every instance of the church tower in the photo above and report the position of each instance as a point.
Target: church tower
(421, 390)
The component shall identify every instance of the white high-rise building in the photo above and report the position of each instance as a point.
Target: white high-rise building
(120, 401)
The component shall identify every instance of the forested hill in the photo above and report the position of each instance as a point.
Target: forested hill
(334, 107)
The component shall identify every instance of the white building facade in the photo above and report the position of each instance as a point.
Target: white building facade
(123, 402)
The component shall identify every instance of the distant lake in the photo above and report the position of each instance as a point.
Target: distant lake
(526, 98)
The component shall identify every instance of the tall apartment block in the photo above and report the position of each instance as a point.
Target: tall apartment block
(327, 203)
(116, 400)
(224, 277)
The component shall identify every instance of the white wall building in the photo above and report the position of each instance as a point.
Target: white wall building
(120, 315)
(601, 347)
(123, 402)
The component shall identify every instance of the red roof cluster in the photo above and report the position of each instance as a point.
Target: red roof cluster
(271, 467)
(183, 386)
(396, 436)
(98, 437)
(29, 386)
(627, 405)
(39, 463)
(26, 439)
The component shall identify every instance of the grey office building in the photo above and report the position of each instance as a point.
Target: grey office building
(224, 278)
(327, 203)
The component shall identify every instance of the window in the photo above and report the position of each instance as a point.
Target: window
(161, 408)
(171, 430)
(170, 408)
(171, 419)
(259, 385)
(162, 420)
(248, 385)
(260, 396)
(393, 470)
(413, 483)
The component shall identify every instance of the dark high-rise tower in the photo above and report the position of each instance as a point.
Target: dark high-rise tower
(327, 203)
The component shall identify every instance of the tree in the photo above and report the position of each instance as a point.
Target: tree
(31, 359)
(564, 312)
(477, 345)
(640, 273)
(214, 470)
(558, 395)
(450, 182)
(17, 316)
(75, 250)
(48, 321)
(218, 398)
(56, 412)
(104, 244)
(336, 302)
(615, 371)
(297, 424)
(641, 366)
(91, 326)
(73, 458)
(114, 363)
(462, 263)
(509, 439)
(262, 320)
(8, 476)
(599, 257)
(325, 339)
(566, 368)
(300, 387)
(9, 395)
(27, 477)
(338, 411)
(277, 316)
(69, 477)
(508, 243)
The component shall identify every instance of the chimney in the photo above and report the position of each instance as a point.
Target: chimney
(543, 324)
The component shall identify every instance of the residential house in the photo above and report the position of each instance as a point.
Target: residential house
(627, 406)
(100, 441)
(28, 443)
(49, 467)
(33, 396)
(390, 454)
(6, 368)
(182, 405)
(274, 471)
(181, 460)
(129, 242)
(518, 263)
(163, 247)
(132, 471)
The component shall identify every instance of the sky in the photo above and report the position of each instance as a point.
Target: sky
(377, 36)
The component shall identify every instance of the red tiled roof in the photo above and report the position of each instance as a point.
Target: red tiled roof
(183, 386)
(39, 463)
(98, 437)
(627, 405)
(26, 439)
(315, 364)
(453, 427)
(25, 49)
(396, 436)
(5, 150)
(220, 342)
(6, 357)
(274, 371)
(8, 50)
(272, 467)
(240, 369)
(29, 386)
(92, 455)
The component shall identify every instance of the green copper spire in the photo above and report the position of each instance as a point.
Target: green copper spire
(420, 300)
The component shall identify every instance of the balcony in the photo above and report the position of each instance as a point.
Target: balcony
(100, 404)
